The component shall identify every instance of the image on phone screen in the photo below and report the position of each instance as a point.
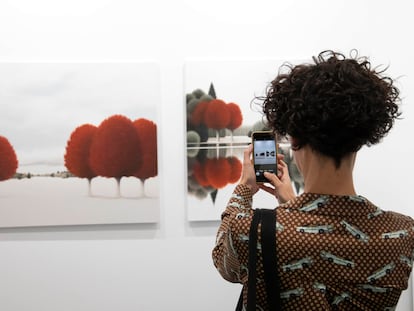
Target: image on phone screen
(264, 155)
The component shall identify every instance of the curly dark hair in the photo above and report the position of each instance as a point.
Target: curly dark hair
(335, 105)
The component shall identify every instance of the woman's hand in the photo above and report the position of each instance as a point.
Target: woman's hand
(282, 186)
(248, 177)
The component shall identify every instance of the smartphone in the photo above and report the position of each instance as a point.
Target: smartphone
(264, 154)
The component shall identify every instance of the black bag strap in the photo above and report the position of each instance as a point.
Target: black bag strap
(251, 282)
(269, 254)
(267, 219)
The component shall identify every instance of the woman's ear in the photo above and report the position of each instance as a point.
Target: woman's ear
(294, 143)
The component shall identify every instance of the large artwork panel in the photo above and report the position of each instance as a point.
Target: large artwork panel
(84, 137)
(222, 112)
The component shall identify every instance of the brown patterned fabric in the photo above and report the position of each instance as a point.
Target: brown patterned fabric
(334, 252)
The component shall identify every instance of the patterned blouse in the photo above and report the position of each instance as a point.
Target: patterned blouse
(334, 252)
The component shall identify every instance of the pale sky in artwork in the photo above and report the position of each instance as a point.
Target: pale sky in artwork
(42, 103)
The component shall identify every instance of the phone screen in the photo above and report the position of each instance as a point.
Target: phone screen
(264, 154)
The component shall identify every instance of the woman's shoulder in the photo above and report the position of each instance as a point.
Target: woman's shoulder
(400, 218)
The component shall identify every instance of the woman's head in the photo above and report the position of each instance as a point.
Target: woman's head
(335, 105)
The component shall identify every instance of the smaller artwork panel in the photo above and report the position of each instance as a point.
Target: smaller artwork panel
(222, 111)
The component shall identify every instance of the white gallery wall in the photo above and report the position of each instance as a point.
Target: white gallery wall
(168, 265)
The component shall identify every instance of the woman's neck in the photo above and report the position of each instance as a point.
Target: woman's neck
(322, 176)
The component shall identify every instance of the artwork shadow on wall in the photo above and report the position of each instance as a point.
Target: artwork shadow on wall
(78, 143)
(221, 113)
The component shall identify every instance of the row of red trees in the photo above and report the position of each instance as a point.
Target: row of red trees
(216, 114)
(207, 112)
(8, 159)
(207, 175)
(217, 172)
(118, 147)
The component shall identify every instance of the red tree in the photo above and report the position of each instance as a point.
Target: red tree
(217, 172)
(216, 115)
(77, 152)
(115, 149)
(197, 116)
(236, 169)
(236, 117)
(200, 175)
(8, 159)
(147, 134)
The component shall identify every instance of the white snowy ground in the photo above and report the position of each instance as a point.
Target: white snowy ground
(50, 201)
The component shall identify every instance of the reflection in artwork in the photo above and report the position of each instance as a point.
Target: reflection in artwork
(210, 170)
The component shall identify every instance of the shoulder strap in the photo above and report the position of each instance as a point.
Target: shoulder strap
(269, 253)
(267, 219)
(251, 283)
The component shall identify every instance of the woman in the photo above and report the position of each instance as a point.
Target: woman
(336, 249)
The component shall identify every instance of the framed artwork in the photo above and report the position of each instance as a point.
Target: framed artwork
(78, 143)
(222, 110)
